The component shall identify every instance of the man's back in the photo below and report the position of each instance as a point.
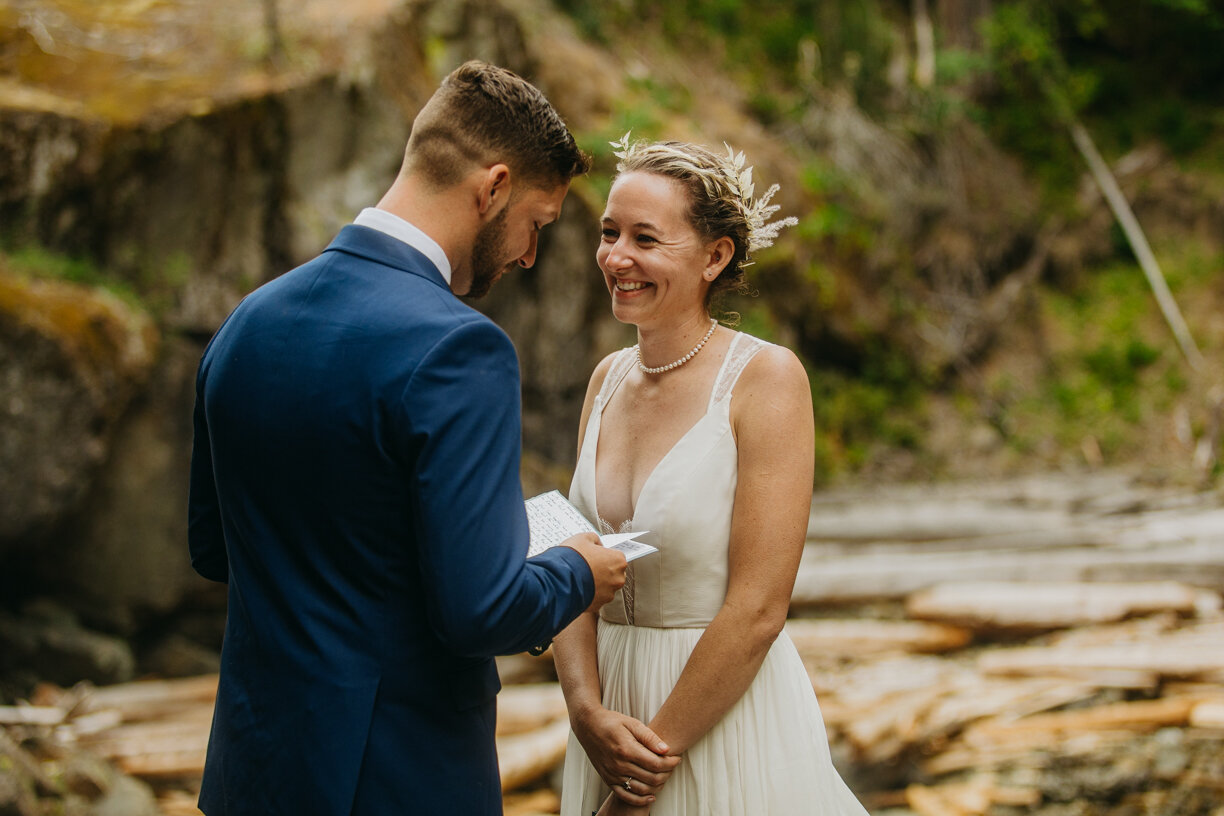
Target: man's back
(362, 427)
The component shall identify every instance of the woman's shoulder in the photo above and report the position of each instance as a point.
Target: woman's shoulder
(766, 358)
(605, 367)
(770, 369)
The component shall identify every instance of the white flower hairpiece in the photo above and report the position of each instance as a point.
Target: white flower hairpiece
(761, 232)
(738, 178)
(620, 149)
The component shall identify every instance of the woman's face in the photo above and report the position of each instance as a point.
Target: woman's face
(651, 256)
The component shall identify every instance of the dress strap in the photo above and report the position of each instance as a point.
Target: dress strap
(620, 367)
(741, 351)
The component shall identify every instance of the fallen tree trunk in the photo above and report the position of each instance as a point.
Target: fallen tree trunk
(1109, 188)
(1208, 715)
(1192, 653)
(529, 707)
(524, 758)
(1050, 605)
(824, 579)
(973, 798)
(151, 699)
(31, 715)
(1140, 715)
(861, 637)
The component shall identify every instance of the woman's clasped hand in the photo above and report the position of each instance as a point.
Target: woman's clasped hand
(627, 755)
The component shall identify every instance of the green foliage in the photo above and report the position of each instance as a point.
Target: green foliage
(841, 219)
(41, 263)
(776, 47)
(855, 416)
(643, 112)
(755, 318)
(1141, 69)
(37, 262)
(1131, 70)
(1038, 93)
(880, 406)
(1112, 365)
(1116, 366)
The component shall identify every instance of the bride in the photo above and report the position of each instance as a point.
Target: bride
(686, 697)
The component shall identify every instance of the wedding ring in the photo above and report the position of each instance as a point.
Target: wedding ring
(627, 781)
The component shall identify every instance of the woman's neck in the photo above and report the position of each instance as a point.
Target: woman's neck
(661, 345)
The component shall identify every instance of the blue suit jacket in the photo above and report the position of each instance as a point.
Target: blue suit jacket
(355, 480)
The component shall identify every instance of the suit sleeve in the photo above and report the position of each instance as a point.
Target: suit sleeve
(205, 538)
(484, 596)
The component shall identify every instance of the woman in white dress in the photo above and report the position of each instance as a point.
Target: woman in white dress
(686, 697)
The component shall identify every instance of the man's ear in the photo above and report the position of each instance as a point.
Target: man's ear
(719, 255)
(494, 190)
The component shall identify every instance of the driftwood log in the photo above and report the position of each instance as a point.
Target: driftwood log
(990, 693)
(158, 730)
(526, 757)
(1051, 605)
(892, 543)
(859, 637)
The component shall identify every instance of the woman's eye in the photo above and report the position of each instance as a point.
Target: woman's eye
(646, 239)
(608, 234)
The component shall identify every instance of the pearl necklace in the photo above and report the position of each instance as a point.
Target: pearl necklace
(637, 350)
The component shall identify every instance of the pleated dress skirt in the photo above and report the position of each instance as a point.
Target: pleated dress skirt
(768, 756)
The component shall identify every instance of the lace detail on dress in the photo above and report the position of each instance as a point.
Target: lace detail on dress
(627, 590)
(743, 348)
(620, 367)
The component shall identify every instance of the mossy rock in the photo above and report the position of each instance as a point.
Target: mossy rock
(71, 358)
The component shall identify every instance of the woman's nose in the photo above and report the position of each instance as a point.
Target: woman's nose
(617, 257)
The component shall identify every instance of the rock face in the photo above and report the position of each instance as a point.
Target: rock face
(48, 643)
(122, 558)
(71, 359)
(192, 205)
(209, 170)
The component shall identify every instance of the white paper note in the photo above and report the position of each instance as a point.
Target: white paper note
(553, 519)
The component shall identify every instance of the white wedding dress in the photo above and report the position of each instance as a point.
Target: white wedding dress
(769, 755)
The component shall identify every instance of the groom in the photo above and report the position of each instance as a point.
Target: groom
(355, 481)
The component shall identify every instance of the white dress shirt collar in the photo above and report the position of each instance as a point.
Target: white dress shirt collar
(400, 229)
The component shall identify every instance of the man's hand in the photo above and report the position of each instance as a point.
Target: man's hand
(607, 566)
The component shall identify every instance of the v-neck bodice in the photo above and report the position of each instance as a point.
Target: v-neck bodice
(685, 502)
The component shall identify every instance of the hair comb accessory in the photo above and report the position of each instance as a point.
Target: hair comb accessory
(621, 149)
(761, 232)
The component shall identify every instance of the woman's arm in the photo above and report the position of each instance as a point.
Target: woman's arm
(771, 416)
(617, 745)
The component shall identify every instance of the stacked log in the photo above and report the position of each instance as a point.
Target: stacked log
(892, 543)
(979, 706)
(157, 731)
(1040, 648)
(1034, 720)
(1091, 677)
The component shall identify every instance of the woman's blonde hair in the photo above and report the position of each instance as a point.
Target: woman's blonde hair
(721, 201)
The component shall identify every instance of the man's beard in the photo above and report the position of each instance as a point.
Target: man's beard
(487, 250)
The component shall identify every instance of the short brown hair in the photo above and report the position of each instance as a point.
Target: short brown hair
(482, 114)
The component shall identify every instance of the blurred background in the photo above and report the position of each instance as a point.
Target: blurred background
(1007, 285)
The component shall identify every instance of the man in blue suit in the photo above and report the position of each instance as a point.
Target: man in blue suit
(355, 481)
